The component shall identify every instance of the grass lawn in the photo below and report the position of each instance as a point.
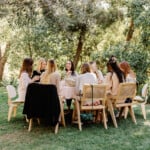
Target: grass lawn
(128, 136)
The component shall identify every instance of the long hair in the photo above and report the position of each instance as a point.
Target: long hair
(112, 62)
(72, 68)
(96, 71)
(109, 68)
(85, 68)
(26, 66)
(51, 67)
(125, 67)
(41, 60)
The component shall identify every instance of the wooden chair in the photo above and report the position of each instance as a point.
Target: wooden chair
(42, 101)
(61, 119)
(13, 104)
(126, 90)
(141, 100)
(99, 94)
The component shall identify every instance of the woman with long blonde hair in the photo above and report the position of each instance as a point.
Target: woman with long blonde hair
(51, 75)
(41, 66)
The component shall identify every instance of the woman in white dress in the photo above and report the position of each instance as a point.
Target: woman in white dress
(25, 77)
(70, 77)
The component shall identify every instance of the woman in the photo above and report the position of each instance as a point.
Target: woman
(130, 76)
(40, 68)
(86, 77)
(51, 75)
(24, 77)
(97, 72)
(70, 79)
(69, 70)
(114, 76)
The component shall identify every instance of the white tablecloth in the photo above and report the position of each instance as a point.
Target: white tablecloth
(67, 91)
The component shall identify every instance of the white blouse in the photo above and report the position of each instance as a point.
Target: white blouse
(24, 80)
(130, 79)
(87, 78)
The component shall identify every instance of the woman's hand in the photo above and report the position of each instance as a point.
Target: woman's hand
(69, 73)
(35, 78)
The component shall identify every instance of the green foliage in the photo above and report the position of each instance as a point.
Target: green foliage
(139, 11)
(12, 81)
(128, 136)
(51, 29)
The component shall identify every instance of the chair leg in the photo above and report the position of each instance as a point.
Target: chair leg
(74, 113)
(78, 115)
(10, 110)
(62, 113)
(126, 112)
(27, 120)
(104, 119)
(14, 111)
(143, 111)
(132, 114)
(56, 128)
(30, 124)
(111, 109)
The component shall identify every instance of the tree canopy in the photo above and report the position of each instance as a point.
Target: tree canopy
(80, 30)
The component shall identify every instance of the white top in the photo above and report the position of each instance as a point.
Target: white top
(130, 79)
(87, 78)
(67, 91)
(24, 80)
(100, 76)
(70, 80)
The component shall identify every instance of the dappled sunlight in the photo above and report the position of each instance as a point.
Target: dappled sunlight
(148, 111)
(139, 132)
(147, 123)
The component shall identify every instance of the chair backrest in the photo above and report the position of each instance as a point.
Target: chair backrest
(42, 101)
(126, 90)
(11, 92)
(145, 90)
(98, 90)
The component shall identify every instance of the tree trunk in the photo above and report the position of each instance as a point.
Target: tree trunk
(79, 48)
(130, 31)
(3, 58)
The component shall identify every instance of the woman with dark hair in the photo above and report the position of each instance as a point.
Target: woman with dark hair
(114, 76)
(70, 79)
(70, 68)
(25, 77)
